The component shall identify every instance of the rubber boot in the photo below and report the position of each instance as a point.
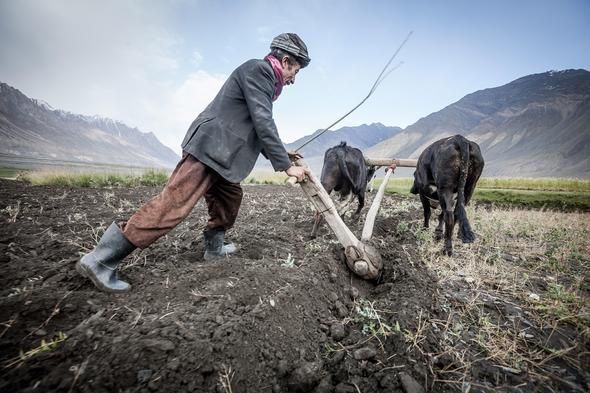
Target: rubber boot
(215, 246)
(100, 265)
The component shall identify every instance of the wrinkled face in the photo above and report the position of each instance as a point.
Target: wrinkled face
(289, 71)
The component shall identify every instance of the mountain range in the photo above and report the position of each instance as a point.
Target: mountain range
(362, 137)
(31, 130)
(535, 126)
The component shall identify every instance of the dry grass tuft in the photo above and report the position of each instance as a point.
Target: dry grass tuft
(226, 375)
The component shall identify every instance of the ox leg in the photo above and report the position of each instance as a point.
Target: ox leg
(427, 211)
(446, 204)
(465, 232)
(361, 197)
(343, 209)
(438, 232)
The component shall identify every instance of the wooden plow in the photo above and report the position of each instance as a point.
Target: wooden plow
(363, 259)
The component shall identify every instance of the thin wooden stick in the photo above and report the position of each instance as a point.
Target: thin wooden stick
(372, 214)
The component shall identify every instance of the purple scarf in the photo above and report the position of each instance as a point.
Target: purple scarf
(278, 70)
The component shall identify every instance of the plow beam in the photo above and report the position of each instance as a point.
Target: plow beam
(362, 259)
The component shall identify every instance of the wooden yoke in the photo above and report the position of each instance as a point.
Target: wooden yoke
(362, 259)
(408, 163)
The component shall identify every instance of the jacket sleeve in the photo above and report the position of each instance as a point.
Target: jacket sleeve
(258, 88)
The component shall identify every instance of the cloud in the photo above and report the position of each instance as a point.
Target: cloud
(173, 113)
(117, 59)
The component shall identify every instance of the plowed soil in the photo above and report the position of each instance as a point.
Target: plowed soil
(283, 314)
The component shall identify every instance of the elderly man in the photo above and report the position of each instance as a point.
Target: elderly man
(219, 150)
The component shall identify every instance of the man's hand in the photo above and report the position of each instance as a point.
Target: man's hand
(294, 156)
(297, 171)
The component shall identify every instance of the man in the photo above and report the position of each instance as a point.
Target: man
(219, 150)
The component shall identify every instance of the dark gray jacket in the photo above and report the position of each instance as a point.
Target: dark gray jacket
(237, 125)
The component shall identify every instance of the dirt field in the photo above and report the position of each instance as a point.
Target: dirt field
(508, 313)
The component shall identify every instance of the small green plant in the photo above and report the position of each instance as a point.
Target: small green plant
(422, 234)
(289, 262)
(492, 257)
(313, 247)
(564, 304)
(559, 293)
(402, 228)
(555, 240)
(371, 321)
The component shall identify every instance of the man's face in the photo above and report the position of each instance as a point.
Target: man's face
(289, 71)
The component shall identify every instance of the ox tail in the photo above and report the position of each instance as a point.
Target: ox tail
(344, 171)
(465, 232)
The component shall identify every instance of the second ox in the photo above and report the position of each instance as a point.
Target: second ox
(346, 172)
(446, 173)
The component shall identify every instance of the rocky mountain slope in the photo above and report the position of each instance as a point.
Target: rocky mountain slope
(362, 137)
(537, 126)
(32, 130)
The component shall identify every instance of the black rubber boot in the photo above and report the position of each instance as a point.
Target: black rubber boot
(215, 246)
(100, 265)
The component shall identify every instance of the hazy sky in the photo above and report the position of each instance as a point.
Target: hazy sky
(156, 64)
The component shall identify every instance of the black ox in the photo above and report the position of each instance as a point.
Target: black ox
(346, 172)
(446, 173)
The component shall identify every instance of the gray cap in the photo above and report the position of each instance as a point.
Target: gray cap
(294, 45)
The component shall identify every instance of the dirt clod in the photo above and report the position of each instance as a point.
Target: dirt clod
(305, 377)
(345, 388)
(409, 384)
(365, 353)
(337, 331)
